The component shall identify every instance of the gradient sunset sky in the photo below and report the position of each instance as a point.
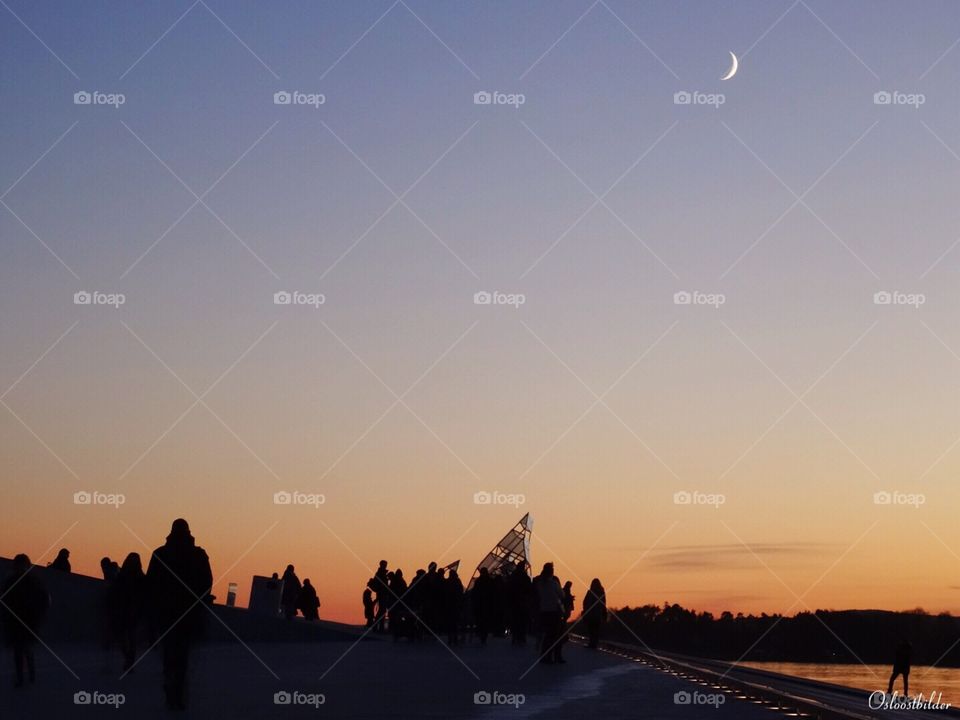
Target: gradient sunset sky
(598, 399)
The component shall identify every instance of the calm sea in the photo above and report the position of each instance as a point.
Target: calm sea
(874, 677)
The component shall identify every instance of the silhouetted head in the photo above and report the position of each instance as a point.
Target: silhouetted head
(306, 582)
(383, 564)
(595, 585)
(568, 585)
(453, 574)
(132, 564)
(180, 531)
(105, 563)
(288, 570)
(21, 563)
(432, 567)
(275, 576)
(547, 570)
(440, 572)
(398, 574)
(63, 554)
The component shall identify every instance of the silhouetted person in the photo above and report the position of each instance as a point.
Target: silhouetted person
(569, 603)
(369, 606)
(109, 569)
(179, 580)
(594, 612)
(416, 601)
(399, 616)
(549, 596)
(62, 561)
(129, 598)
(901, 666)
(381, 586)
(308, 602)
(481, 597)
(290, 593)
(23, 606)
(518, 604)
(453, 604)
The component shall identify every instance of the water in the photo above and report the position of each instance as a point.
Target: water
(923, 678)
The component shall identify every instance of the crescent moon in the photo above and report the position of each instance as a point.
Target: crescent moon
(733, 67)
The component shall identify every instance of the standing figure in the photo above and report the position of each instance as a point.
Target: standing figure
(24, 607)
(901, 666)
(179, 580)
(594, 612)
(290, 593)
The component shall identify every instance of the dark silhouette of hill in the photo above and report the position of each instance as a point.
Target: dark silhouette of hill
(822, 636)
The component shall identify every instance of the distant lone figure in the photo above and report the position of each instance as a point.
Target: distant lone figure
(179, 581)
(901, 666)
(594, 612)
(62, 561)
(23, 606)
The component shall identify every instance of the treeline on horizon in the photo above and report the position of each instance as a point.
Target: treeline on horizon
(822, 636)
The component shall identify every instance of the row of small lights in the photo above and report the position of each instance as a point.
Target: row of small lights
(788, 712)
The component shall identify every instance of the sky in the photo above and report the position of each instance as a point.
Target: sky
(787, 440)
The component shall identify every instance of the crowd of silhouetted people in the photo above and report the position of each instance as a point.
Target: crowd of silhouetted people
(510, 602)
(166, 603)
